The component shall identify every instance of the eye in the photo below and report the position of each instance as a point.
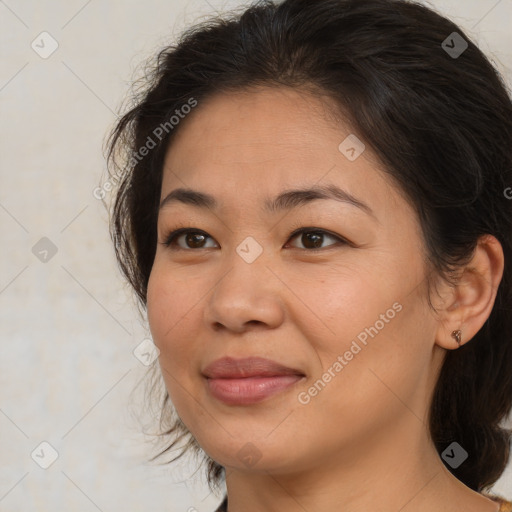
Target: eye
(194, 238)
(311, 238)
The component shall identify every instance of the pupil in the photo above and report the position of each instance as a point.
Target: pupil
(315, 238)
(192, 239)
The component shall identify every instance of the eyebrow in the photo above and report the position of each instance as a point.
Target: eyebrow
(285, 201)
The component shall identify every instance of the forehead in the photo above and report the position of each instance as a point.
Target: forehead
(269, 139)
(256, 122)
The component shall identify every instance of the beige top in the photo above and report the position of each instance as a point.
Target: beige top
(505, 506)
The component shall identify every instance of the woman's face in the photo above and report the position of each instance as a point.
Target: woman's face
(344, 304)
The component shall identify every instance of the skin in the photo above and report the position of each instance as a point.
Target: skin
(363, 440)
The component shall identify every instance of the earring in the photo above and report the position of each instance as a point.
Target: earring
(457, 335)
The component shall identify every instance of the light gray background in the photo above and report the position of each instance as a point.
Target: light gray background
(68, 327)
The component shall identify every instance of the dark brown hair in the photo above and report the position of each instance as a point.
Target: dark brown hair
(441, 124)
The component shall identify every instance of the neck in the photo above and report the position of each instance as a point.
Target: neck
(397, 469)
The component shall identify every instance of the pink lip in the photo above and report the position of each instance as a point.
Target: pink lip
(249, 380)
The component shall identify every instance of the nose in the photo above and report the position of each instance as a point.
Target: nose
(247, 296)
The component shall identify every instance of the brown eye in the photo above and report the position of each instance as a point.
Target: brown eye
(313, 239)
(192, 239)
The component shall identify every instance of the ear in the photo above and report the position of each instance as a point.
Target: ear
(468, 305)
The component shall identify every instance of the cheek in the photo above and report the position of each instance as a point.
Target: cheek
(377, 321)
(159, 306)
(169, 307)
(384, 367)
(166, 311)
(347, 301)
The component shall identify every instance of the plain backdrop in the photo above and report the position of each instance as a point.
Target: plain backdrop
(68, 324)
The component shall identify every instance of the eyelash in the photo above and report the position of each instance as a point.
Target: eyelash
(172, 236)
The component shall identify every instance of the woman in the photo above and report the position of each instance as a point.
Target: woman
(314, 207)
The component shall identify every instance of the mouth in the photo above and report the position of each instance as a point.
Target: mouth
(249, 390)
(248, 381)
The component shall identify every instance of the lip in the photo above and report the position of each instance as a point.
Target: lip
(232, 368)
(249, 380)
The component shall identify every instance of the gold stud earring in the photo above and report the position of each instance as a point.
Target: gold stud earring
(457, 335)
